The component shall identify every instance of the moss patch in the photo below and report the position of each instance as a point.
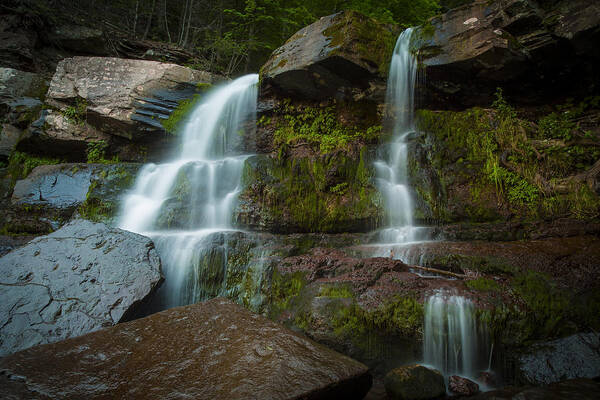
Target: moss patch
(359, 34)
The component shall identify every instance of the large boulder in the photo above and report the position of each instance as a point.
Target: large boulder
(51, 194)
(119, 101)
(414, 382)
(530, 50)
(576, 356)
(343, 55)
(219, 351)
(79, 279)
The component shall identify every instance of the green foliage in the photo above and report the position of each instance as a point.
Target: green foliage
(21, 164)
(77, 112)
(320, 127)
(96, 150)
(542, 310)
(496, 151)
(402, 316)
(483, 285)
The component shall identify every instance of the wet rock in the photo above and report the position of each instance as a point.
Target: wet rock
(299, 194)
(345, 55)
(470, 50)
(220, 351)
(462, 386)
(576, 356)
(414, 382)
(79, 279)
(52, 193)
(583, 389)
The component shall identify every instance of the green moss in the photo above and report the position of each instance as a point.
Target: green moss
(301, 194)
(483, 285)
(493, 150)
(343, 292)
(358, 33)
(203, 87)
(284, 288)
(21, 164)
(319, 127)
(401, 316)
(179, 115)
(542, 310)
(102, 199)
(76, 113)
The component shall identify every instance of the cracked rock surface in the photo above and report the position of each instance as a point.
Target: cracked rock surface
(76, 280)
(211, 350)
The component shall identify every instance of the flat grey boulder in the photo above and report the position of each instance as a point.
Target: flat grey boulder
(211, 350)
(576, 356)
(76, 280)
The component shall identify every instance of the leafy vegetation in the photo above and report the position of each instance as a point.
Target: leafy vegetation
(229, 36)
(77, 112)
(21, 164)
(520, 162)
(319, 127)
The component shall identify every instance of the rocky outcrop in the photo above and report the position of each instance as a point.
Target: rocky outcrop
(119, 101)
(323, 193)
(76, 280)
(21, 95)
(532, 51)
(51, 194)
(462, 386)
(220, 351)
(345, 55)
(414, 382)
(576, 356)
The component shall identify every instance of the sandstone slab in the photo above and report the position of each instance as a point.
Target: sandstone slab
(211, 350)
(78, 279)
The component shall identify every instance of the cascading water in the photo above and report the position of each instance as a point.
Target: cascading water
(455, 342)
(392, 167)
(185, 205)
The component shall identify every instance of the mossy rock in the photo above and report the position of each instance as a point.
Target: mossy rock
(331, 57)
(414, 382)
(328, 194)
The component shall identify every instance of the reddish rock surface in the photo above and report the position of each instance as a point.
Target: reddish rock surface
(462, 386)
(211, 350)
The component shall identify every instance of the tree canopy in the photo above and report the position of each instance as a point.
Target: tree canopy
(229, 36)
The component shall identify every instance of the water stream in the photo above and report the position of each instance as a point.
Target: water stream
(455, 342)
(186, 205)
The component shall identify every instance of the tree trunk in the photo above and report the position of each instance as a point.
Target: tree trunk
(166, 21)
(149, 20)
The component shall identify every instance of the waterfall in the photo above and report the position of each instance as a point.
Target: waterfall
(454, 340)
(185, 204)
(392, 166)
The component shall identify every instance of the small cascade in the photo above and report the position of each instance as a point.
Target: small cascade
(184, 204)
(392, 167)
(455, 342)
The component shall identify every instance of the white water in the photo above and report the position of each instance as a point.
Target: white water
(392, 167)
(454, 341)
(182, 203)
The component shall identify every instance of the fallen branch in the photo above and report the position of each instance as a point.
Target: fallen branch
(439, 271)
